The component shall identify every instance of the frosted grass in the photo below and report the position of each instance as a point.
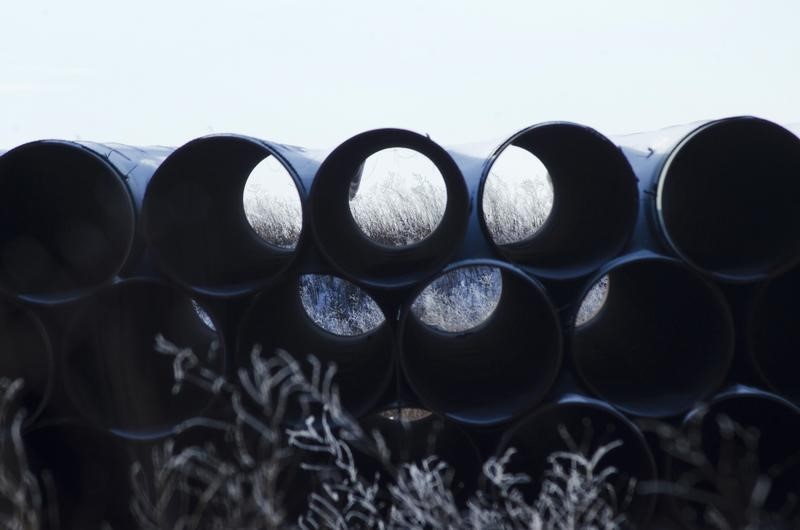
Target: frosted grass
(272, 204)
(517, 196)
(338, 306)
(405, 414)
(460, 299)
(400, 199)
(593, 302)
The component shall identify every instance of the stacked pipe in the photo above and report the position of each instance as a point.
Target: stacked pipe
(665, 274)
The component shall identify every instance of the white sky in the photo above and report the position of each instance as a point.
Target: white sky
(314, 73)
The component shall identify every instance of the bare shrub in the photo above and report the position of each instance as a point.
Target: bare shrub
(243, 490)
(21, 506)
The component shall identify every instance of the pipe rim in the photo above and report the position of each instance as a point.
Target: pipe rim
(428, 399)
(231, 288)
(662, 176)
(751, 343)
(573, 401)
(118, 182)
(718, 297)
(290, 291)
(448, 233)
(514, 251)
(49, 354)
(94, 419)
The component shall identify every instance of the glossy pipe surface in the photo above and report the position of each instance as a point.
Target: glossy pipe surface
(354, 255)
(721, 195)
(594, 199)
(495, 371)
(661, 340)
(194, 217)
(68, 215)
(112, 371)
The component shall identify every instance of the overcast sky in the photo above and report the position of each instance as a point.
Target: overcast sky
(314, 73)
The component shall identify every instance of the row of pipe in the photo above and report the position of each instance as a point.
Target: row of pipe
(719, 195)
(662, 339)
(694, 230)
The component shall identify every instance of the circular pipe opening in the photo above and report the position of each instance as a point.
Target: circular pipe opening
(744, 437)
(397, 197)
(338, 306)
(26, 354)
(351, 336)
(67, 221)
(727, 199)
(459, 300)
(774, 334)
(196, 216)
(581, 427)
(661, 341)
(580, 220)
(272, 204)
(517, 196)
(492, 372)
(372, 262)
(112, 371)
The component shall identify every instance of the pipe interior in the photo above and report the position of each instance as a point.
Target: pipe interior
(662, 340)
(594, 201)
(346, 245)
(196, 219)
(25, 353)
(582, 428)
(728, 198)
(775, 334)
(113, 372)
(398, 197)
(66, 220)
(277, 319)
(513, 356)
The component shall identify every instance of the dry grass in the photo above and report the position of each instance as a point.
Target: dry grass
(338, 306)
(460, 299)
(517, 196)
(272, 204)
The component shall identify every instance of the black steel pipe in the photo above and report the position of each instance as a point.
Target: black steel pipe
(773, 334)
(277, 319)
(68, 215)
(112, 371)
(721, 195)
(494, 371)
(83, 474)
(413, 435)
(26, 352)
(581, 426)
(351, 252)
(194, 218)
(661, 340)
(594, 199)
(749, 441)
